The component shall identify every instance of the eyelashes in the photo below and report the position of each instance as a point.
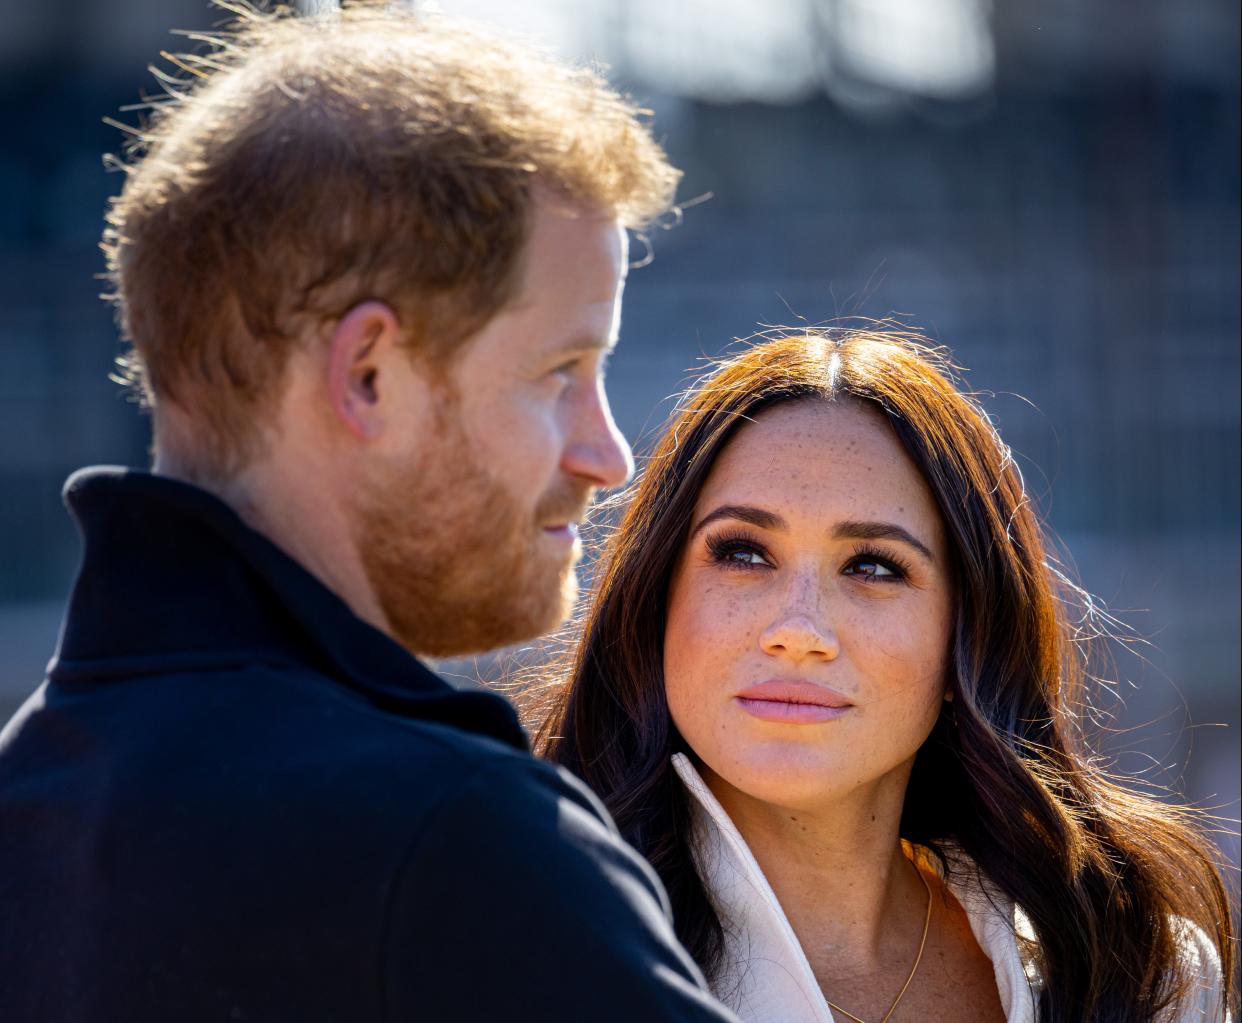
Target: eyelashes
(868, 557)
(732, 549)
(739, 551)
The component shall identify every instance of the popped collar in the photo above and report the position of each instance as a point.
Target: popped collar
(767, 978)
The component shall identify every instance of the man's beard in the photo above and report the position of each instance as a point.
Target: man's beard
(457, 564)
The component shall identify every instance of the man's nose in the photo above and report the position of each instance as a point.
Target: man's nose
(597, 451)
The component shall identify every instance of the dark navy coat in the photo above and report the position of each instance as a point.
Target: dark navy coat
(232, 799)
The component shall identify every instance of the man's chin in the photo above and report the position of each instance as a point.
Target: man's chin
(488, 625)
(569, 589)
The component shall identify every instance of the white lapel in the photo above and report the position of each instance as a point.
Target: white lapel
(767, 978)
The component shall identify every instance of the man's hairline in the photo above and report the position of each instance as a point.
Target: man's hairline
(437, 366)
(545, 195)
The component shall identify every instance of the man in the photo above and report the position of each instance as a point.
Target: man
(371, 268)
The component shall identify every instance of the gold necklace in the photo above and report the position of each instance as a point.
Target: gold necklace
(913, 970)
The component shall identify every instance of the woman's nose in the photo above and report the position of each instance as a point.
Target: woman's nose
(797, 635)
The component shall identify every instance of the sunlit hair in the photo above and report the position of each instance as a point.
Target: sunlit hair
(1105, 873)
(297, 166)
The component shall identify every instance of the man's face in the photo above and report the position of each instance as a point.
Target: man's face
(469, 535)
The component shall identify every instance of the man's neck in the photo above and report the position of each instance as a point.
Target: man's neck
(298, 517)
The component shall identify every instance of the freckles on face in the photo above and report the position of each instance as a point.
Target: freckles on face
(810, 611)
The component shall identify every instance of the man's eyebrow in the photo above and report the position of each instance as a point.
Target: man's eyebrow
(881, 531)
(561, 353)
(585, 343)
(743, 513)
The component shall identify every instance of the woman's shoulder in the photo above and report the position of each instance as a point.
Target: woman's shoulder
(1199, 960)
(1001, 928)
(1007, 935)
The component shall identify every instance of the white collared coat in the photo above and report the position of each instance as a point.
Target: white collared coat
(767, 978)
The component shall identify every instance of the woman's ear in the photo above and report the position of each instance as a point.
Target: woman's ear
(360, 350)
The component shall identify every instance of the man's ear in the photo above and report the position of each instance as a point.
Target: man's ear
(362, 344)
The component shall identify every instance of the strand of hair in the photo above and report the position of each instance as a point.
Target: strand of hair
(244, 11)
(169, 83)
(151, 103)
(112, 162)
(198, 58)
(129, 129)
(173, 58)
(217, 39)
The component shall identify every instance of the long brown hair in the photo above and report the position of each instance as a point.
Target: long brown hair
(1008, 774)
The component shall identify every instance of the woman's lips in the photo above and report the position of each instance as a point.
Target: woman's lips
(792, 702)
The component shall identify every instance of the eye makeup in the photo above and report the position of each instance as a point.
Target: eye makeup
(865, 554)
(728, 547)
(737, 549)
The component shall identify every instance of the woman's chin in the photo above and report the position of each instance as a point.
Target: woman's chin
(786, 775)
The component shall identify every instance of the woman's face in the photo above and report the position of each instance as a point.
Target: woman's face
(810, 611)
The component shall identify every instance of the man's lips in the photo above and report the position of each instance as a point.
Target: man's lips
(792, 702)
(567, 531)
(562, 518)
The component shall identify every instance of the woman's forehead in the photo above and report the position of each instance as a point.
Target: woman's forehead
(820, 456)
(807, 436)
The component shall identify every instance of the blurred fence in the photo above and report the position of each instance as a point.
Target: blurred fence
(1068, 225)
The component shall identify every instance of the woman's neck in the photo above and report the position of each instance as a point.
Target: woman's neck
(852, 896)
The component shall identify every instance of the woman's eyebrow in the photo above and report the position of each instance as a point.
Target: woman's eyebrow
(759, 517)
(849, 530)
(881, 531)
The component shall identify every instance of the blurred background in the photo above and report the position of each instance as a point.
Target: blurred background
(1051, 190)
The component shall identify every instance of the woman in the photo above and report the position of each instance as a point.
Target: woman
(830, 685)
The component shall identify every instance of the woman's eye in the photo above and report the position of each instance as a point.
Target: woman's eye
(732, 554)
(871, 568)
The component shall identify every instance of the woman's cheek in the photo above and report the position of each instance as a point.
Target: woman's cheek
(699, 651)
(904, 637)
(679, 659)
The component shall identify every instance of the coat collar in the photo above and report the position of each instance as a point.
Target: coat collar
(173, 579)
(767, 978)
